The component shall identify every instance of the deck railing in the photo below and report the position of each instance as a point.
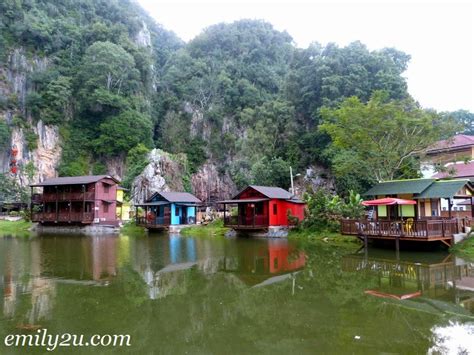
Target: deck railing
(246, 222)
(153, 222)
(63, 196)
(416, 229)
(83, 217)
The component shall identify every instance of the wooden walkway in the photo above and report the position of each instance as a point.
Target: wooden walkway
(418, 230)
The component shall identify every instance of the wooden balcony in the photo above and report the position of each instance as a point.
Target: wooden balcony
(63, 197)
(63, 217)
(417, 230)
(246, 222)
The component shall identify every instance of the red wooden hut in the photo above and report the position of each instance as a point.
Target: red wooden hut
(90, 199)
(261, 207)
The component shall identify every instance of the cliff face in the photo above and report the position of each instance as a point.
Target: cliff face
(164, 172)
(210, 186)
(167, 172)
(43, 152)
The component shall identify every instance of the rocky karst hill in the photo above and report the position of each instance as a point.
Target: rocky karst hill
(99, 87)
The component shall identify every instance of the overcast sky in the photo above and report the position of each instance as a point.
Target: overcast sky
(439, 35)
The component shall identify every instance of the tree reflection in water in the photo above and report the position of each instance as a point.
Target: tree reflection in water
(213, 295)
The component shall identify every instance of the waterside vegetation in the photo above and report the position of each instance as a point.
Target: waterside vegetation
(16, 228)
(214, 228)
(465, 248)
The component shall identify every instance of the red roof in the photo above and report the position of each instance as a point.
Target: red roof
(456, 142)
(461, 170)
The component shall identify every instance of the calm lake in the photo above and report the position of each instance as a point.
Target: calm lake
(176, 294)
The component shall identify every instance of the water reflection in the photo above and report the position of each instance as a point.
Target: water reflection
(216, 295)
(442, 282)
(160, 261)
(31, 271)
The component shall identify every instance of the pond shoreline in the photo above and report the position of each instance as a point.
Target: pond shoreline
(216, 228)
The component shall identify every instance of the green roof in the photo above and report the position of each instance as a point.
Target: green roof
(395, 187)
(443, 189)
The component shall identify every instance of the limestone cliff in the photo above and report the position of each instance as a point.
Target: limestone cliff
(44, 155)
(164, 172)
(167, 172)
(210, 186)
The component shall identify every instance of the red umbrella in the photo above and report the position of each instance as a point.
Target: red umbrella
(387, 201)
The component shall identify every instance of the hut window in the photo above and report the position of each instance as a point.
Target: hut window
(106, 208)
(275, 263)
(176, 211)
(106, 188)
(275, 209)
(259, 208)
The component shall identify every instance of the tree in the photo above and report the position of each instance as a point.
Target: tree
(119, 134)
(377, 138)
(271, 172)
(4, 135)
(271, 127)
(107, 73)
(11, 191)
(136, 162)
(465, 119)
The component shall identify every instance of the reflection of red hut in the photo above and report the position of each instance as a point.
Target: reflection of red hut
(281, 260)
(274, 257)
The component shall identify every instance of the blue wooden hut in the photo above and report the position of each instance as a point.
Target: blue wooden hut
(164, 209)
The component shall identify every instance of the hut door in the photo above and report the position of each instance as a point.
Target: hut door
(167, 215)
(184, 215)
(393, 212)
(422, 209)
(434, 207)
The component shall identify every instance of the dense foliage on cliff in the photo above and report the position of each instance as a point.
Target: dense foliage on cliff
(240, 95)
(103, 60)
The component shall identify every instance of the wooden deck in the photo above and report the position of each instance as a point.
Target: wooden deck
(153, 223)
(246, 223)
(418, 230)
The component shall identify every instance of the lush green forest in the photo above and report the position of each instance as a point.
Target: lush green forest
(239, 95)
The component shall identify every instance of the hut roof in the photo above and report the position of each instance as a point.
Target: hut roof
(443, 189)
(73, 180)
(268, 191)
(461, 170)
(395, 187)
(174, 196)
(457, 142)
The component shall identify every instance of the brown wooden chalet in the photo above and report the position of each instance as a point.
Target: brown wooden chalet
(75, 200)
(423, 221)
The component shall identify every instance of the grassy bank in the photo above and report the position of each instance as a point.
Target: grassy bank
(131, 229)
(14, 228)
(465, 248)
(215, 228)
(323, 236)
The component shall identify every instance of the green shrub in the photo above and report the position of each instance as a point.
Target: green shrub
(4, 135)
(325, 210)
(31, 139)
